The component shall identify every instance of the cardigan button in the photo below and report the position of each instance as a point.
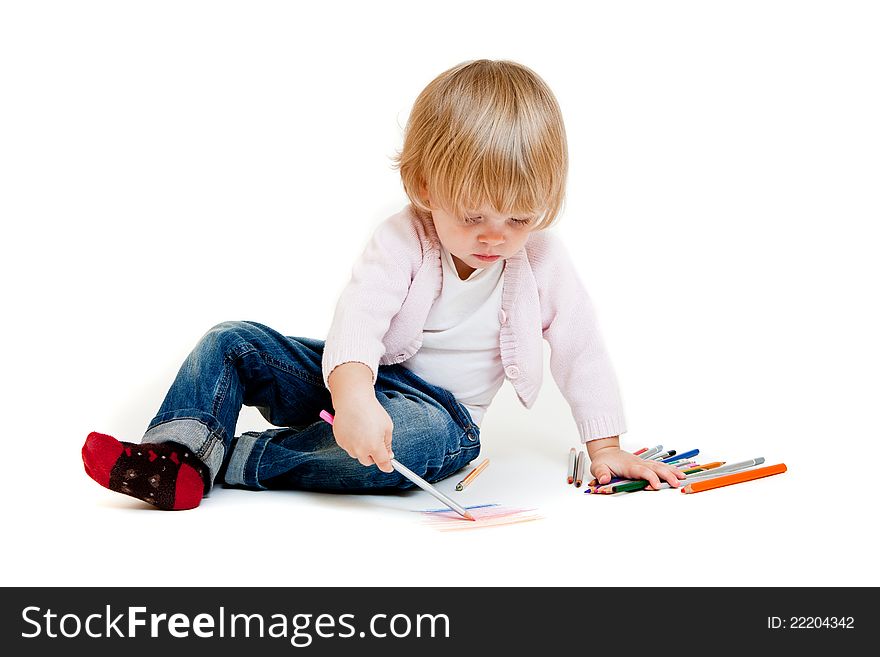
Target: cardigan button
(512, 371)
(502, 317)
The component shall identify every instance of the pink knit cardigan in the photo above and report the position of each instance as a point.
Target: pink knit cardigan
(381, 313)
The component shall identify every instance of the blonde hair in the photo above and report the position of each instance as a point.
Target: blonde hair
(486, 131)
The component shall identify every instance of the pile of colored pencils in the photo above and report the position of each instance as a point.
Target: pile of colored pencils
(699, 477)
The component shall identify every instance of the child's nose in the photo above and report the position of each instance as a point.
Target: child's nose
(492, 237)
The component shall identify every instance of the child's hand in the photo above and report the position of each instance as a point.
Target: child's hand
(608, 460)
(363, 429)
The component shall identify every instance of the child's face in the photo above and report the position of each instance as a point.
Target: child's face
(482, 232)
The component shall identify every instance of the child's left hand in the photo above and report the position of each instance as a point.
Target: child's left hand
(608, 460)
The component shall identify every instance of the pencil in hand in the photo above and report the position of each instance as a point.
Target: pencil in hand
(417, 480)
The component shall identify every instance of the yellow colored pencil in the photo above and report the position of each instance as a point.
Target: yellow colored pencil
(709, 466)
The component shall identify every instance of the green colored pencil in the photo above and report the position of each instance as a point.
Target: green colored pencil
(629, 486)
(639, 485)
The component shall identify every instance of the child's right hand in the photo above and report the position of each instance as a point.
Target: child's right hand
(363, 428)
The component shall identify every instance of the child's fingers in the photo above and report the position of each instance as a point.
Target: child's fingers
(380, 460)
(667, 473)
(602, 472)
(648, 474)
(383, 461)
(385, 466)
(388, 436)
(672, 476)
(383, 455)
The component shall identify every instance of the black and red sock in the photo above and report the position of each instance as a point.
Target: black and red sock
(166, 475)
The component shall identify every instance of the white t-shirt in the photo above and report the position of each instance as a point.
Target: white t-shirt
(460, 341)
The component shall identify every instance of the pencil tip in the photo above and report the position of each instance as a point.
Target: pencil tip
(469, 516)
(459, 487)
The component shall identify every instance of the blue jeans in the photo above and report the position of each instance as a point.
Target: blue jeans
(247, 363)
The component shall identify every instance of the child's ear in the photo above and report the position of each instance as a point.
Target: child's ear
(423, 192)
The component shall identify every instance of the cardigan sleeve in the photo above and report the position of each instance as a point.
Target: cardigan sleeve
(579, 363)
(380, 281)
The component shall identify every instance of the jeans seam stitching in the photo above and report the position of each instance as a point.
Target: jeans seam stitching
(211, 441)
(464, 422)
(222, 388)
(461, 449)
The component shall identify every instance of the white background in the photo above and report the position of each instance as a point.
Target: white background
(166, 166)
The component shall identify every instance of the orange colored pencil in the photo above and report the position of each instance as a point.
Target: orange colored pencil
(461, 485)
(735, 478)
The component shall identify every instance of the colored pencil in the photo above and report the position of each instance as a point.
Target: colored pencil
(614, 480)
(651, 452)
(727, 469)
(642, 450)
(721, 470)
(710, 466)
(735, 478)
(685, 455)
(572, 456)
(595, 482)
(464, 483)
(637, 485)
(662, 455)
(641, 484)
(581, 462)
(417, 480)
(628, 487)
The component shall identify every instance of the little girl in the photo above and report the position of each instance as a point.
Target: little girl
(451, 296)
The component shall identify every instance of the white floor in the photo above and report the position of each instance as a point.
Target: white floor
(785, 530)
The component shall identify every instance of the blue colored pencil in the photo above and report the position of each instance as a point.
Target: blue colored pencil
(685, 455)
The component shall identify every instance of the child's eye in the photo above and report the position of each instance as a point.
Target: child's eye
(519, 222)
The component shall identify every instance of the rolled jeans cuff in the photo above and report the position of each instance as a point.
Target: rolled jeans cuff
(206, 445)
(245, 459)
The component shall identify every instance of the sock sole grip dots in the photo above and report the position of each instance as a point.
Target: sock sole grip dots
(166, 475)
